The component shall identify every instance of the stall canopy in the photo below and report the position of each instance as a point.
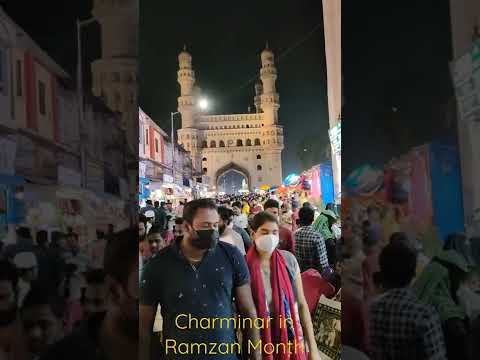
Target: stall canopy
(291, 180)
(365, 180)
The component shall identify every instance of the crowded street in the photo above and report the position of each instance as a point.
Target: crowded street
(276, 255)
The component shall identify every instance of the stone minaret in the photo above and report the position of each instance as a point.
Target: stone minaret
(188, 135)
(257, 99)
(186, 79)
(115, 74)
(270, 100)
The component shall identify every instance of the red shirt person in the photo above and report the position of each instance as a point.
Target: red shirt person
(287, 242)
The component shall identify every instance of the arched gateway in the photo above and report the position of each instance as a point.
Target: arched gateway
(249, 144)
(231, 167)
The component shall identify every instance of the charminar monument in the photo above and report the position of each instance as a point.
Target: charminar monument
(250, 144)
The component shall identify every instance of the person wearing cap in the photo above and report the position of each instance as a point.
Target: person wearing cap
(27, 267)
(323, 225)
(150, 215)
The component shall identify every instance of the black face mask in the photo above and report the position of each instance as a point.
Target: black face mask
(8, 316)
(205, 239)
(178, 238)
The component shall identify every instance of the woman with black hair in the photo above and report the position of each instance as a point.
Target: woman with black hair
(277, 290)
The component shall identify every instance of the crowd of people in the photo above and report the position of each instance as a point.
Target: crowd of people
(234, 256)
(60, 300)
(407, 294)
(241, 260)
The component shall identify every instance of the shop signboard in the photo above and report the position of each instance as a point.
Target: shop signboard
(336, 143)
(68, 177)
(142, 169)
(465, 73)
(335, 138)
(150, 170)
(7, 156)
(466, 79)
(326, 183)
(11, 200)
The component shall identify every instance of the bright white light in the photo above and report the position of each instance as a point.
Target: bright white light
(203, 104)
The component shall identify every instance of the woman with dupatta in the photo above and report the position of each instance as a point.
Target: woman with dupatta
(278, 294)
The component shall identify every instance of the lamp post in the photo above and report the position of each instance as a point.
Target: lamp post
(172, 136)
(83, 162)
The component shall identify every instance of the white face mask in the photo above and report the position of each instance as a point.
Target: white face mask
(267, 243)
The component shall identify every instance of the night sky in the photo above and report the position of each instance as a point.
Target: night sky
(225, 42)
(396, 78)
(52, 25)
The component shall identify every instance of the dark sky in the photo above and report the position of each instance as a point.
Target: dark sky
(52, 24)
(225, 42)
(395, 55)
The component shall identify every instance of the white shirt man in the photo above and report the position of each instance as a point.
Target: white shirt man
(241, 221)
(233, 238)
(239, 218)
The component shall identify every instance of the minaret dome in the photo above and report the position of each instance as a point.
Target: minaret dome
(267, 56)
(185, 59)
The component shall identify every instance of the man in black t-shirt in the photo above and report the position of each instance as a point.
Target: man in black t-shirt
(160, 216)
(196, 277)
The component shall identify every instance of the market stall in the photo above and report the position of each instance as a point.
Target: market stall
(63, 208)
(422, 189)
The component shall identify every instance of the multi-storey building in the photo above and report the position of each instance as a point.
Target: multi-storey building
(159, 167)
(115, 73)
(152, 148)
(41, 135)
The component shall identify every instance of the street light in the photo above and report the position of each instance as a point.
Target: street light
(203, 104)
(172, 136)
(83, 162)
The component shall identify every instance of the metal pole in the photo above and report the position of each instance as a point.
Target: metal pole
(81, 109)
(172, 136)
(81, 119)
